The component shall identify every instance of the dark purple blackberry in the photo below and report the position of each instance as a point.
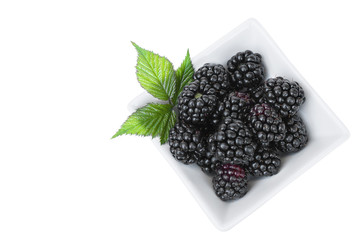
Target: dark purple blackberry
(232, 142)
(186, 143)
(217, 116)
(295, 137)
(246, 70)
(257, 94)
(197, 102)
(230, 182)
(266, 162)
(208, 163)
(284, 95)
(217, 77)
(266, 123)
(237, 105)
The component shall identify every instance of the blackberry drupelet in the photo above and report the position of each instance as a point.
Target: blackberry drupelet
(246, 70)
(186, 143)
(284, 95)
(232, 142)
(197, 102)
(296, 135)
(237, 105)
(230, 182)
(266, 124)
(217, 77)
(266, 162)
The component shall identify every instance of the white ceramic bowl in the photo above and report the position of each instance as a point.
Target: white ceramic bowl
(326, 131)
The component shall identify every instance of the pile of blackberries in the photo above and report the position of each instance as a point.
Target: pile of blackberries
(233, 123)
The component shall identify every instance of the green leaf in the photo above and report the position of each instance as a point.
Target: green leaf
(168, 124)
(155, 74)
(184, 75)
(151, 120)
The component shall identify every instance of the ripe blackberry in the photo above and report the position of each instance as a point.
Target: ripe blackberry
(197, 102)
(217, 77)
(186, 143)
(246, 70)
(257, 94)
(217, 116)
(284, 95)
(208, 163)
(266, 162)
(237, 105)
(295, 137)
(266, 124)
(232, 143)
(230, 182)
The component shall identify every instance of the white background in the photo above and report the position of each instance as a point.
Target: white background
(67, 74)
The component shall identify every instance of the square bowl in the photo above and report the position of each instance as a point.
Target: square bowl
(325, 130)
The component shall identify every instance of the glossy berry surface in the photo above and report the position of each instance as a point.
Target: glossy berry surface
(230, 182)
(208, 163)
(197, 102)
(216, 75)
(232, 142)
(266, 123)
(266, 162)
(296, 136)
(257, 93)
(186, 143)
(284, 95)
(246, 70)
(237, 105)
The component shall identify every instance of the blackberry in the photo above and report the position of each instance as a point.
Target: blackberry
(266, 162)
(295, 137)
(208, 163)
(284, 95)
(237, 105)
(217, 77)
(257, 94)
(197, 102)
(232, 143)
(217, 116)
(246, 69)
(186, 143)
(230, 182)
(266, 124)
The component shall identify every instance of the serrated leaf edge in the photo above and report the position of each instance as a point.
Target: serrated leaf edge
(188, 72)
(154, 127)
(162, 58)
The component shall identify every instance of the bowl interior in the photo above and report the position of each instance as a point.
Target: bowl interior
(325, 130)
